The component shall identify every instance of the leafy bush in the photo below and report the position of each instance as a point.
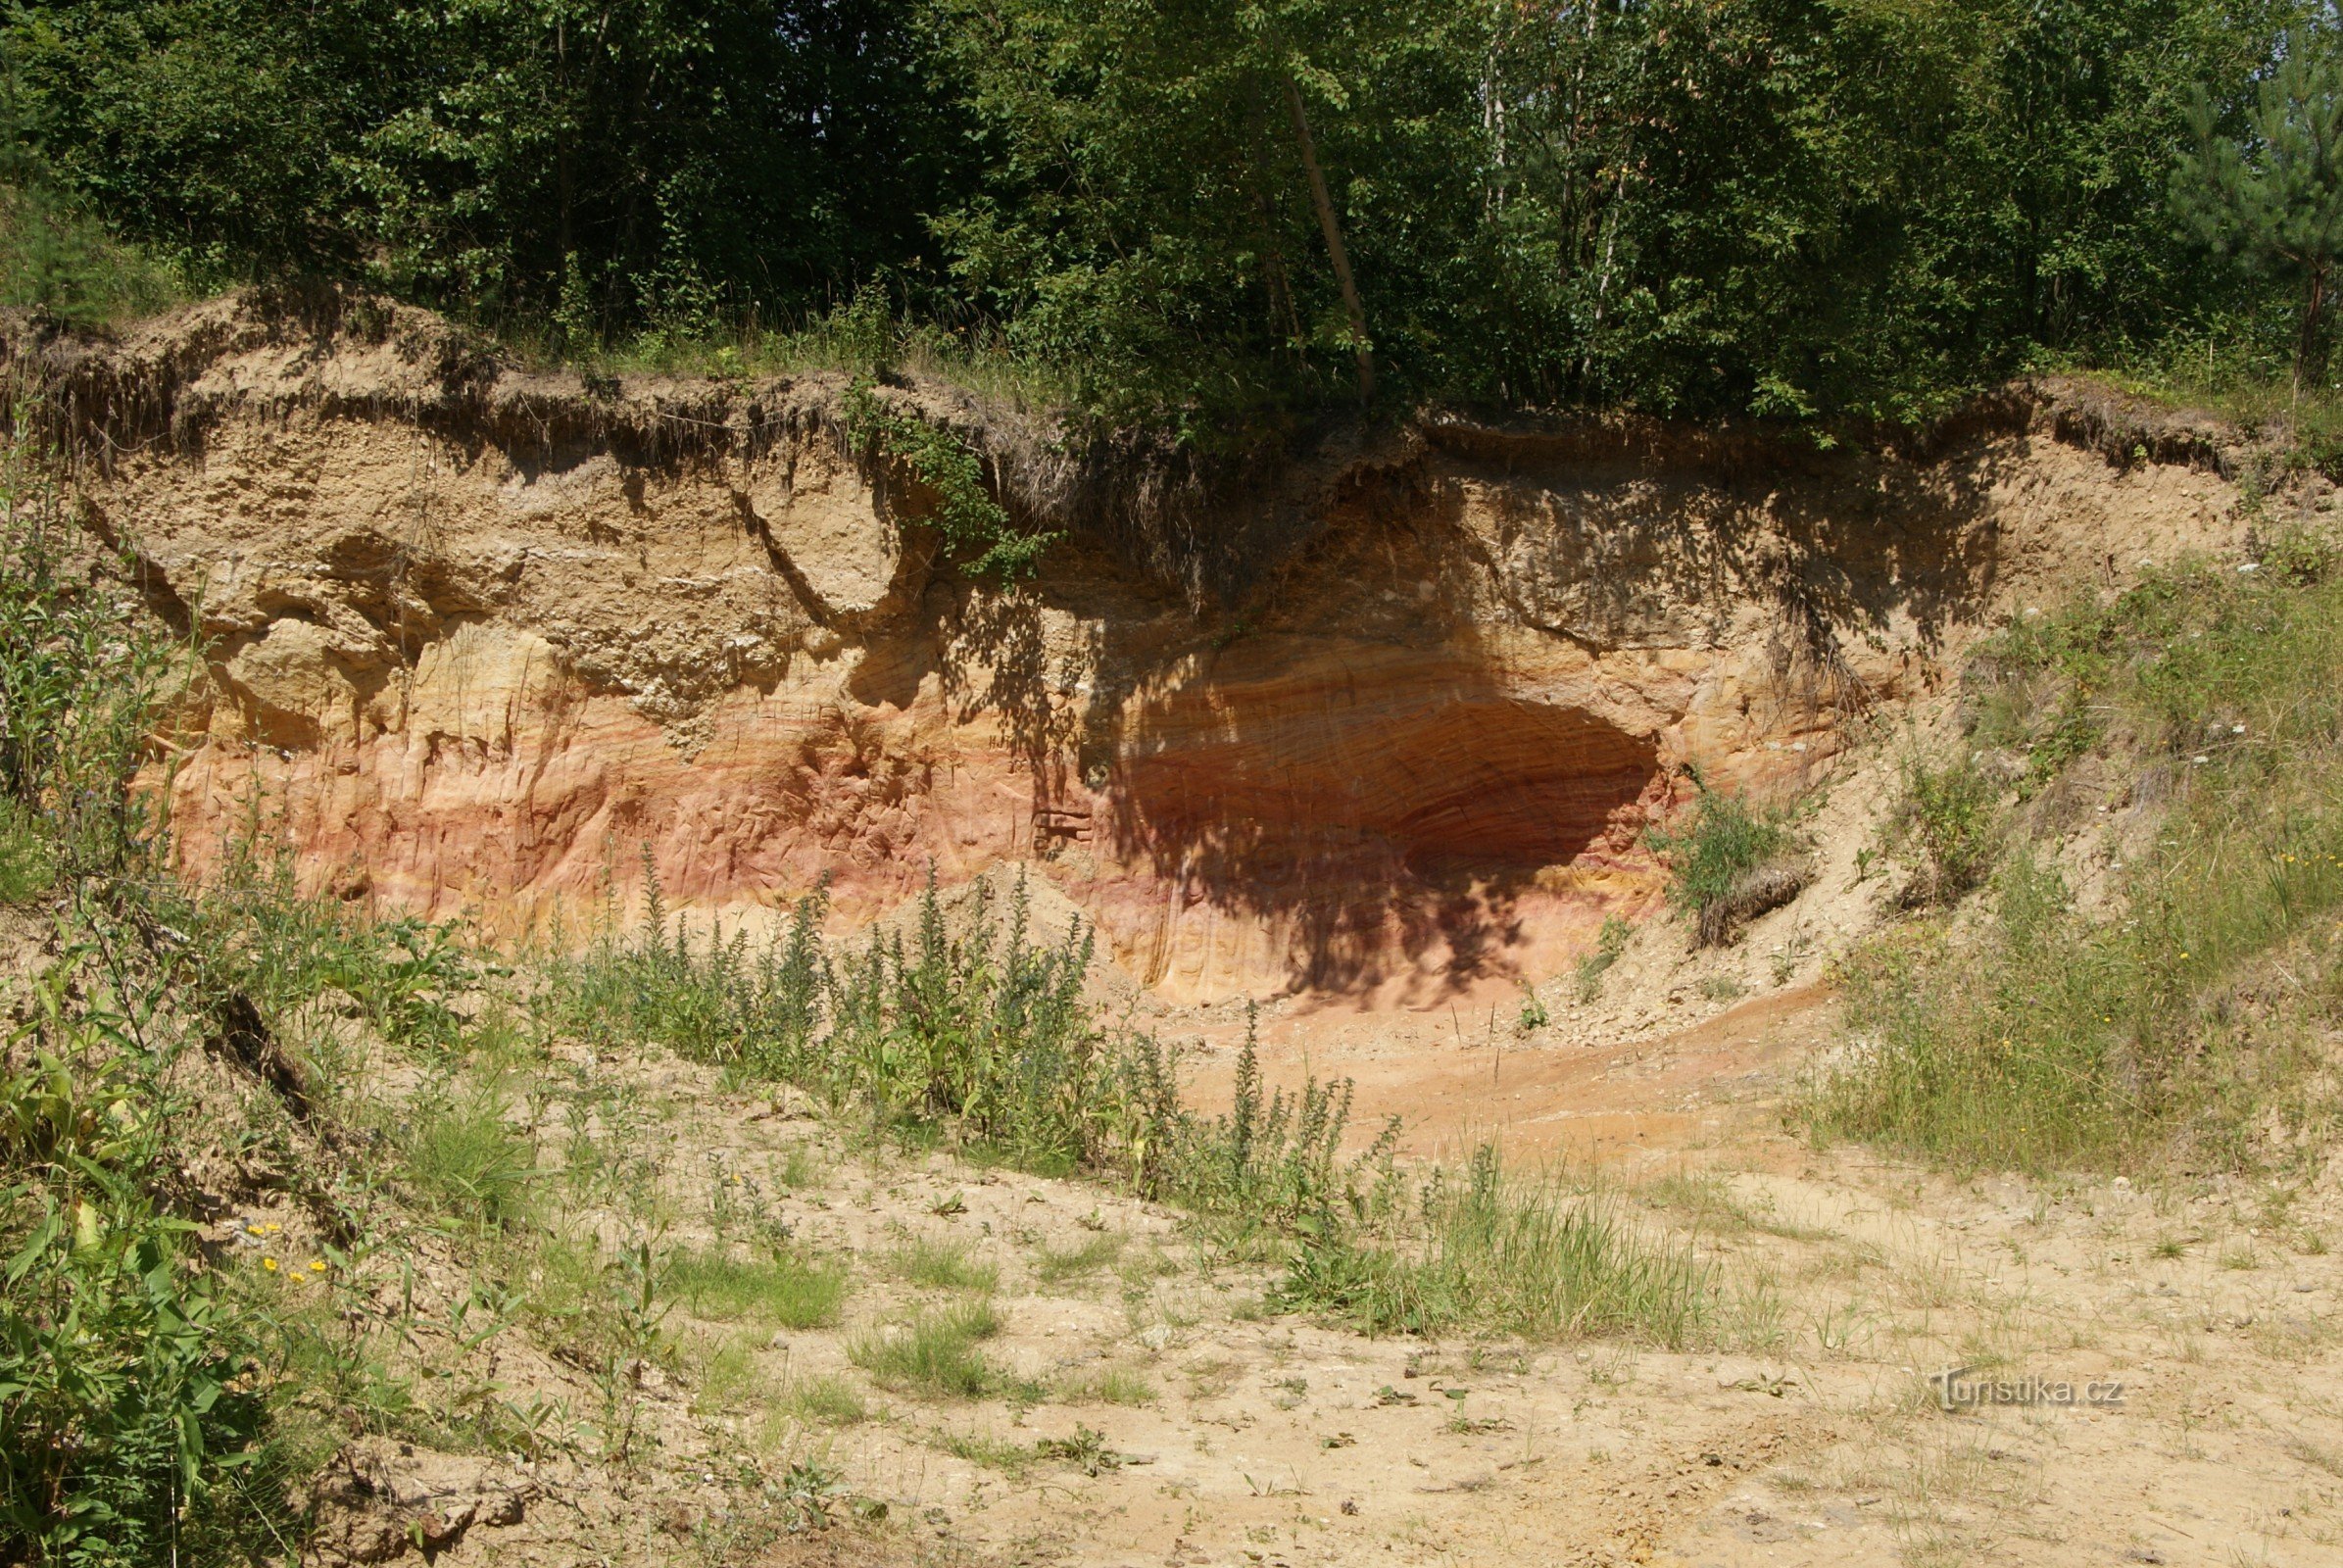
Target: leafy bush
(1729, 862)
(259, 937)
(80, 676)
(1275, 1163)
(133, 1429)
(1947, 816)
(976, 528)
(983, 1032)
(27, 869)
(120, 1353)
(60, 261)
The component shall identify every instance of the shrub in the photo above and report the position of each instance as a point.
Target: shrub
(1947, 816)
(119, 1349)
(121, 1404)
(56, 259)
(81, 677)
(1275, 1163)
(975, 526)
(1730, 862)
(28, 866)
(984, 1033)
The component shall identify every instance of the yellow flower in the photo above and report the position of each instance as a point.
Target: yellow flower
(269, 1263)
(317, 1265)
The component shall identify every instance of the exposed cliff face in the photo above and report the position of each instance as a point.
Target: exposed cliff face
(482, 635)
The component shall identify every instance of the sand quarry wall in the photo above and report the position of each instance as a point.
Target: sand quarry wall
(1385, 717)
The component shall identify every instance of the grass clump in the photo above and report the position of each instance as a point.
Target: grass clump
(1488, 1254)
(785, 1289)
(935, 1356)
(465, 1156)
(994, 1453)
(942, 1265)
(1114, 1385)
(1610, 943)
(1730, 861)
(826, 1400)
(2054, 1036)
(1052, 1265)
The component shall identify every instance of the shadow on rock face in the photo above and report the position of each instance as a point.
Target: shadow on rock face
(1373, 801)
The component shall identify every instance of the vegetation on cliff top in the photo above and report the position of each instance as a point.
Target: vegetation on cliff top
(1229, 214)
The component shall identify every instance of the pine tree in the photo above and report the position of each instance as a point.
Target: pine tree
(2272, 196)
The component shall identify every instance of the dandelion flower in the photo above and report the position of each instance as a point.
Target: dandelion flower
(269, 1263)
(317, 1265)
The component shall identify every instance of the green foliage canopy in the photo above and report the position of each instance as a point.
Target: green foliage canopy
(1832, 209)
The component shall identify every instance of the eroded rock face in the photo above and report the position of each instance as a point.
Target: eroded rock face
(483, 638)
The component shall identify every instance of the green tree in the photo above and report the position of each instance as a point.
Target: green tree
(2272, 194)
(618, 161)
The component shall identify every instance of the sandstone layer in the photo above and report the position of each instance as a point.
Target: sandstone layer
(1384, 720)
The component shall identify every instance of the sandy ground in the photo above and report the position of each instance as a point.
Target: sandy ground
(1807, 1433)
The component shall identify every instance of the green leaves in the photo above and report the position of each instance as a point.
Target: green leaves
(977, 527)
(1805, 211)
(117, 1408)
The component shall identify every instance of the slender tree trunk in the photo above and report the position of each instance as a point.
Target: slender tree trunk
(2309, 349)
(1274, 272)
(1333, 230)
(564, 175)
